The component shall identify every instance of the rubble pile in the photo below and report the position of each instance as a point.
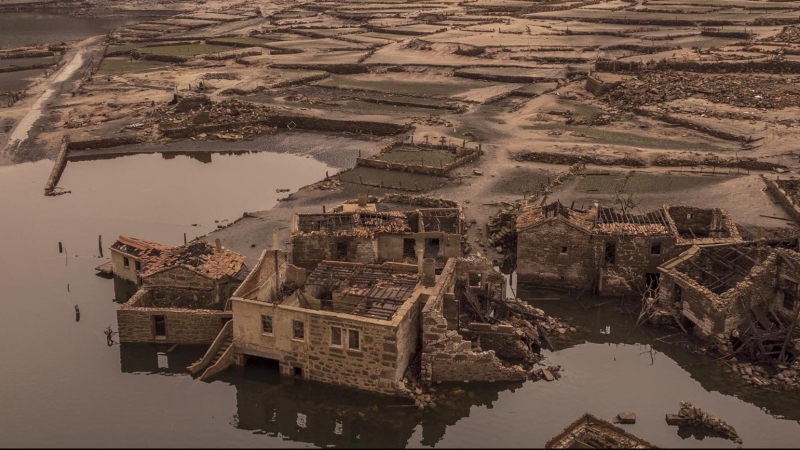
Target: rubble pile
(548, 373)
(693, 416)
(784, 377)
(666, 160)
(431, 121)
(567, 158)
(229, 115)
(418, 44)
(753, 91)
(500, 227)
(789, 34)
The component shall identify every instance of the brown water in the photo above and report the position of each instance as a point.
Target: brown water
(24, 29)
(63, 386)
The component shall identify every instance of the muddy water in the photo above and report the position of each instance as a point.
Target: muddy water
(63, 386)
(24, 29)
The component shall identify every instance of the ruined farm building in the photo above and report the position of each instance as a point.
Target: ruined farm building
(129, 256)
(607, 250)
(364, 326)
(373, 233)
(746, 289)
(590, 432)
(183, 296)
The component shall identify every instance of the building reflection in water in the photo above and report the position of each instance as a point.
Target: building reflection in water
(325, 415)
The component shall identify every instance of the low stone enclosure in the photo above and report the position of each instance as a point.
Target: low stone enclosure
(590, 432)
(786, 193)
(426, 159)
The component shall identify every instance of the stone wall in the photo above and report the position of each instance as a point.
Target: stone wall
(633, 260)
(183, 326)
(386, 347)
(782, 198)
(541, 259)
(446, 355)
(179, 287)
(501, 339)
(126, 273)
(311, 249)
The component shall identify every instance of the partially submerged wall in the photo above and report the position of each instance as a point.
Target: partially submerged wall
(183, 326)
(782, 198)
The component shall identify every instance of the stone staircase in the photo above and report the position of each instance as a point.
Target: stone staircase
(218, 357)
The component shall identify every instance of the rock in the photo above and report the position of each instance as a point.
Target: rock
(562, 330)
(548, 376)
(626, 417)
(477, 172)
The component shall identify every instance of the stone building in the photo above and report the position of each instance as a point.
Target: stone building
(183, 295)
(607, 250)
(129, 256)
(590, 432)
(364, 326)
(373, 233)
(725, 290)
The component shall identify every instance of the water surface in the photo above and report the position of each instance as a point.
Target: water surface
(25, 29)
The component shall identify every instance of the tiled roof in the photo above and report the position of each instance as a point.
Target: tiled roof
(146, 251)
(200, 257)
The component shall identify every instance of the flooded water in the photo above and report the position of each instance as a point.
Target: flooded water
(24, 29)
(63, 386)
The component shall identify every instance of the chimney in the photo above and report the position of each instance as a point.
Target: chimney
(420, 253)
(274, 239)
(362, 200)
(429, 272)
(218, 244)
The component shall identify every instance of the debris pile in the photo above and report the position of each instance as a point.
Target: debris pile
(693, 416)
(548, 373)
(753, 91)
(197, 114)
(431, 120)
(789, 34)
(784, 376)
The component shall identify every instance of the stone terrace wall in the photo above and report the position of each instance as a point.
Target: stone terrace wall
(310, 250)
(783, 199)
(183, 326)
(446, 356)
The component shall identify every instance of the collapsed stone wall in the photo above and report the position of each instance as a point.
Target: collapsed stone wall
(501, 339)
(770, 66)
(570, 159)
(597, 87)
(441, 171)
(446, 355)
(293, 121)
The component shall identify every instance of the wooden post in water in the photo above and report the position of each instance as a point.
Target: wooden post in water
(100, 244)
(60, 247)
(184, 238)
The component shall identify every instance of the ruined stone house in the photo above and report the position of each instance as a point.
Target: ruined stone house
(607, 250)
(361, 233)
(183, 295)
(129, 256)
(737, 290)
(363, 326)
(591, 432)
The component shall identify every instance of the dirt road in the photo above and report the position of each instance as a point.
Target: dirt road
(77, 62)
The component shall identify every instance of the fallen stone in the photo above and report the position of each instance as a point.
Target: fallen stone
(548, 376)
(626, 417)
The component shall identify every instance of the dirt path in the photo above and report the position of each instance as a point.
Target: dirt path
(76, 60)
